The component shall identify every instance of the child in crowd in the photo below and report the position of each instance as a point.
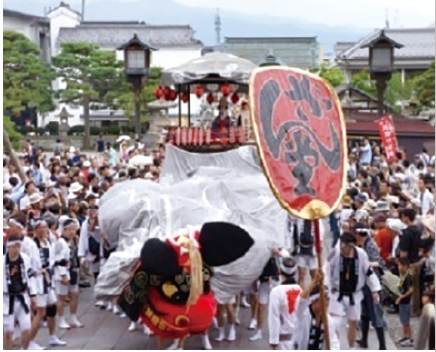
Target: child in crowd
(403, 301)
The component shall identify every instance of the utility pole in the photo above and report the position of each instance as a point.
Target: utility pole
(218, 27)
(83, 10)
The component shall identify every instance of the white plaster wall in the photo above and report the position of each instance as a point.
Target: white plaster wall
(21, 26)
(61, 18)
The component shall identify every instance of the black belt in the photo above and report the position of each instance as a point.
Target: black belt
(349, 295)
(285, 337)
(21, 299)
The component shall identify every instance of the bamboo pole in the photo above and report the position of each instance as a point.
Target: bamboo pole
(321, 286)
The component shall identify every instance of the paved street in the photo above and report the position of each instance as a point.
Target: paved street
(106, 331)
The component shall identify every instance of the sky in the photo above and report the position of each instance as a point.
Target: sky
(364, 14)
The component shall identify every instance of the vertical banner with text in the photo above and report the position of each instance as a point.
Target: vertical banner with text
(388, 137)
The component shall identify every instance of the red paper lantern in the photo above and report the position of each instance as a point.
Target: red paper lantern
(199, 91)
(210, 98)
(158, 93)
(235, 98)
(167, 93)
(184, 97)
(225, 90)
(173, 95)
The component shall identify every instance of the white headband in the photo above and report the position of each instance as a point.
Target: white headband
(16, 223)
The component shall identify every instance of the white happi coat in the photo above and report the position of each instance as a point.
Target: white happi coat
(31, 285)
(281, 317)
(300, 337)
(333, 274)
(38, 267)
(83, 248)
(62, 251)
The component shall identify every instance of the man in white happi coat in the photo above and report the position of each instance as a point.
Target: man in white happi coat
(348, 270)
(66, 274)
(46, 295)
(309, 332)
(19, 292)
(282, 303)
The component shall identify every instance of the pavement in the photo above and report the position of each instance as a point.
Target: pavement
(105, 331)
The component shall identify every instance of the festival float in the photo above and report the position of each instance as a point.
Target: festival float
(220, 81)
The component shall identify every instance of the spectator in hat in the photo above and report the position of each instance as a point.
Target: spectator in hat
(395, 227)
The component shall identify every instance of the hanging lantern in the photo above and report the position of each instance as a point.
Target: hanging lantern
(199, 91)
(210, 98)
(167, 93)
(235, 98)
(173, 95)
(184, 97)
(158, 93)
(225, 90)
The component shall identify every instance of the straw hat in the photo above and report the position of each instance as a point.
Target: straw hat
(429, 223)
(35, 198)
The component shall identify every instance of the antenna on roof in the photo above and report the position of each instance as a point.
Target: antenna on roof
(218, 27)
(387, 19)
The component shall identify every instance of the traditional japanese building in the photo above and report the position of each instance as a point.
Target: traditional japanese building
(302, 52)
(416, 54)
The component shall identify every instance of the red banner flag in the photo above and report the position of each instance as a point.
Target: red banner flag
(388, 137)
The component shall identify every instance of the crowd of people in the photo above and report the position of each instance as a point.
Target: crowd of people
(379, 250)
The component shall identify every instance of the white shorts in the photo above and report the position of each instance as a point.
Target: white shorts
(250, 290)
(20, 316)
(225, 300)
(45, 300)
(344, 308)
(307, 261)
(64, 290)
(264, 291)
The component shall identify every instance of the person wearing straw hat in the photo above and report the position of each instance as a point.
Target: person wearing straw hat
(309, 330)
(18, 288)
(66, 274)
(282, 303)
(46, 296)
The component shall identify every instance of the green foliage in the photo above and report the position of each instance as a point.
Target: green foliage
(90, 74)
(127, 101)
(94, 78)
(26, 78)
(425, 86)
(78, 129)
(53, 128)
(395, 91)
(15, 137)
(362, 81)
(332, 75)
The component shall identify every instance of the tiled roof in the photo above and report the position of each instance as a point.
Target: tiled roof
(418, 43)
(18, 14)
(113, 36)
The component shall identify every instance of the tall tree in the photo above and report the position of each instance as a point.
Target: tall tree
(425, 86)
(91, 77)
(26, 78)
(26, 84)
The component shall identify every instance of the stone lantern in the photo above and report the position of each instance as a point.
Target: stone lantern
(63, 125)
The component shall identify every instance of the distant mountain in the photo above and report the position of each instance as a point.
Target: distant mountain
(202, 20)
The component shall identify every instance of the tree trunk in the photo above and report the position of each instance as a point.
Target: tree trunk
(14, 160)
(87, 135)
